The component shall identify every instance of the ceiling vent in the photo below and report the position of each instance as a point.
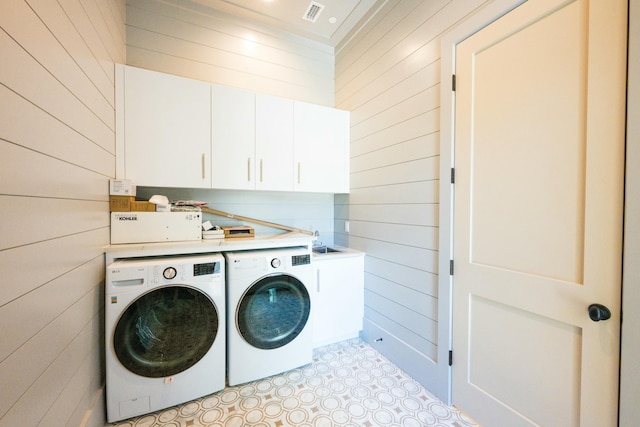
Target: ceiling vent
(313, 11)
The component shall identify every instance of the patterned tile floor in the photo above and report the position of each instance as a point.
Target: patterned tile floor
(347, 384)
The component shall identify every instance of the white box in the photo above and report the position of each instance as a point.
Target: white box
(148, 227)
(121, 187)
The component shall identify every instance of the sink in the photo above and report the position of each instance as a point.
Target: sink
(324, 249)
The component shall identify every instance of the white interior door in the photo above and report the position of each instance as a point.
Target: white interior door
(539, 152)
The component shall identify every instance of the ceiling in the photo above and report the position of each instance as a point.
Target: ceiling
(333, 20)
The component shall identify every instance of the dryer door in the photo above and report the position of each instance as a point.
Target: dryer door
(166, 331)
(273, 311)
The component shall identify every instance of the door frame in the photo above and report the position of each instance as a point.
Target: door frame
(629, 411)
(482, 17)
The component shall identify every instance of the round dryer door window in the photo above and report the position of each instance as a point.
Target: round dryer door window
(273, 311)
(166, 331)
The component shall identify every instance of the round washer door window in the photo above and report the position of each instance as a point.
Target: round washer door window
(166, 331)
(273, 311)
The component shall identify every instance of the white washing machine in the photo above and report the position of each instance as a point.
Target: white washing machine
(269, 324)
(165, 332)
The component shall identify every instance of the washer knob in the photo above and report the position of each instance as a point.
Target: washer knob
(169, 273)
(275, 263)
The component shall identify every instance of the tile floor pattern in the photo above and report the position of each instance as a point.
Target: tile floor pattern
(347, 384)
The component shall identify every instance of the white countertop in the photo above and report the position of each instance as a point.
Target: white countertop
(344, 252)
(265, 241)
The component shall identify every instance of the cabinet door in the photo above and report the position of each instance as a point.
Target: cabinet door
(167, 140)
(339, 302)
(274, 143)
(233, 126)
(321, 149)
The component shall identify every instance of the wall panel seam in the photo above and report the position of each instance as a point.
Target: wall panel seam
(59, 158)
(61, 83)
(52, 278)
(71, 57)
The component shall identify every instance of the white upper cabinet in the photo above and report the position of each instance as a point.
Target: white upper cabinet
(321, 149)
(167, 130)
(274, 143)
(252, 140)
(233, 129)
(178, 132)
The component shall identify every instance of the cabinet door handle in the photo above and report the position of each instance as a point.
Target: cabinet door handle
(203, 166)
(260, 170)
(249, 169)
(298, 172)
(317, 280)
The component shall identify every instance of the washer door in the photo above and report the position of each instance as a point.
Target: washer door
(166, 331)
(273, 311)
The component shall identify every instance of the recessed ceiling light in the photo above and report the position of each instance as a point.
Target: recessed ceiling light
(333, 20)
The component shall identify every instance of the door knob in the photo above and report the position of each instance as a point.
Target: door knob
(598, 312)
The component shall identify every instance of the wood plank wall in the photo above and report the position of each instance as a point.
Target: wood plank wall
(194, 41)
(57, 142)
(388, 76)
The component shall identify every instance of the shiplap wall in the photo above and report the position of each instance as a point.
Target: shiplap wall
(191, 40)
(388, 76)
(57, 143)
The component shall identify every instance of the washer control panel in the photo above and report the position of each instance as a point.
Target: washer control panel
(300, 260)
(181, 271)
(157, 271)
(206, 269)
(165, 274)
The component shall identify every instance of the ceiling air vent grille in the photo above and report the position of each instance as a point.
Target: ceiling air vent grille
(313, 11)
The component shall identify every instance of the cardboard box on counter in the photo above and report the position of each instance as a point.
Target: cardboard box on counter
(130, 204)
(149, 227)
(121, 203)
(142, 206)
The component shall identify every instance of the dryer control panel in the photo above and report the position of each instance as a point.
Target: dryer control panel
(267, 261)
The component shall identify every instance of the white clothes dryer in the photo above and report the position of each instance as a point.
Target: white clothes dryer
(165, 332)
(269, 324)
